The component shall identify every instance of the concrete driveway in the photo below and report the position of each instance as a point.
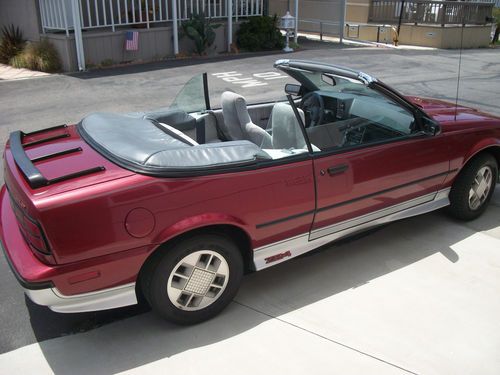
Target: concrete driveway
(418, 296)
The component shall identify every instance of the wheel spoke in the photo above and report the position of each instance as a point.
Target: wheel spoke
(480, 187)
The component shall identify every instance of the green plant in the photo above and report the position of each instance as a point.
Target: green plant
(38, 56)
(11, 44)
(201, 31)
(260, 33)
(496, 15)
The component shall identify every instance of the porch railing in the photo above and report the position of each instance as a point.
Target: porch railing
(430, 12)
(56, 15)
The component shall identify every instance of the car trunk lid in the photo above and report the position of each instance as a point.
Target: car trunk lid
(55, 160)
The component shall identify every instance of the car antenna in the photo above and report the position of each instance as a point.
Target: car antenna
(459, 66)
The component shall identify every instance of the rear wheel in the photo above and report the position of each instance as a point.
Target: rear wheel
(473, 188)
(195, 279)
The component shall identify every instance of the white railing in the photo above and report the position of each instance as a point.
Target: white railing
(56, 15)
(218, 8)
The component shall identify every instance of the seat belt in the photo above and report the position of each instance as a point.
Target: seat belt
(200, 131)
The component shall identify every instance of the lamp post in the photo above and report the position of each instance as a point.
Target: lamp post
(287, 24)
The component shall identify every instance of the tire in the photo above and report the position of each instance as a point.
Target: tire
(462, 206)
(195, 279)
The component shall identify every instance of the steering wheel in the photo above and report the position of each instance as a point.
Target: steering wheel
(314, 108)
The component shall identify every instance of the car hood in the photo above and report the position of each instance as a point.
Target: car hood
(453, 117)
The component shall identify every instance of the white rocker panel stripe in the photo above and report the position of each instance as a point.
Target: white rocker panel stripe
(281, 251)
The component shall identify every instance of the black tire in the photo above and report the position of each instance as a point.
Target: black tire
(156, 279)
(459, 194)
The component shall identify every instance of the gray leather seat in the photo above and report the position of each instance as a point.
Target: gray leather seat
(286, 129)
(237, 122)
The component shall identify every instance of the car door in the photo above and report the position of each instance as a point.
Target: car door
(372, 161)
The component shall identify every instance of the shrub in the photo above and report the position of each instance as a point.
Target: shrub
(201, 31)
(260, 33)
(40, 56)
(496, 15)
(11, 44)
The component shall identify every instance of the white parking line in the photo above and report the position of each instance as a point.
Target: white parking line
(255, 80)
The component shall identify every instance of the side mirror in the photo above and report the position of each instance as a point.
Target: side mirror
(430, 127)
(292, 89)
(328, 79)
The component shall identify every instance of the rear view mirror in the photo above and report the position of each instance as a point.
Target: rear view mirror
(292, 89)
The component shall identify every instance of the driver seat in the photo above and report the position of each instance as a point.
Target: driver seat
(237, 124)
(286, 129)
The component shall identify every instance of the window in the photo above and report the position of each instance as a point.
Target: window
(349, 114)
(191, 98)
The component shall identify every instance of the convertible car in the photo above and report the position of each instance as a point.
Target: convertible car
(174, 206)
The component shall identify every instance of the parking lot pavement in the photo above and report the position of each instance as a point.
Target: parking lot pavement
(417, 296)
(420, 295)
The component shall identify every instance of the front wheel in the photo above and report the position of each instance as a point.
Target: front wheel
(473, 188)
(195, 279)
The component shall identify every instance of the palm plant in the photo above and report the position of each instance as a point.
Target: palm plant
(11, 44)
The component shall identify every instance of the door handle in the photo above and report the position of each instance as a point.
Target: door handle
(338, 169)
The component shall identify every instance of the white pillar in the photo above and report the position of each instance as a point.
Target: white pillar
(296, 21)
(174, 27)
(229, 24)
(77, 24)
(342, 20)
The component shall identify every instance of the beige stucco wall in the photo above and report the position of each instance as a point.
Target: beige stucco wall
(357, 11)
(425, 35)
(21, 13)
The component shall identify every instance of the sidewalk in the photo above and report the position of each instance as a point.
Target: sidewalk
(8, 73)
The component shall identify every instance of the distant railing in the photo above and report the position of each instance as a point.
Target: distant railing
(57, 14)
(430, 12)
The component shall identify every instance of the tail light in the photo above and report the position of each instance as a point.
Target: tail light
(31, 230)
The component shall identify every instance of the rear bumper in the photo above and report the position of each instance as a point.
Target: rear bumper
(46, 294)
(101, 300)
(36, 278)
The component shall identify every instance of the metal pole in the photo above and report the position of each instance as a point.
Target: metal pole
(80, 55)
(342, 21)
(174, 27)
(295, 37)
(400, 16)
(229, 24)
(65, 17)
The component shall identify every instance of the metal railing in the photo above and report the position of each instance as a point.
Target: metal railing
(430, 12)
(57, 15)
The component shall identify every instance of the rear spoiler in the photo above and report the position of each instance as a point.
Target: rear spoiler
(31, 173)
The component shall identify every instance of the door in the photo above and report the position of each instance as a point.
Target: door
(371, 160)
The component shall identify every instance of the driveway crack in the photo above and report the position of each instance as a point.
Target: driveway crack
(328, 339)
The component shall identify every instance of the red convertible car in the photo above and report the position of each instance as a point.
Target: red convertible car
(176, 205)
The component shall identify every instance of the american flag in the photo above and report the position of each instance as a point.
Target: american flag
(132, 41)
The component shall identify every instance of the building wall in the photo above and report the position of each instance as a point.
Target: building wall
(103, 47)
(424, 35)
(312, 10)
(21, 13)
(357, 11)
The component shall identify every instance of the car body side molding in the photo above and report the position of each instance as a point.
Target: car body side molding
(303, 243)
